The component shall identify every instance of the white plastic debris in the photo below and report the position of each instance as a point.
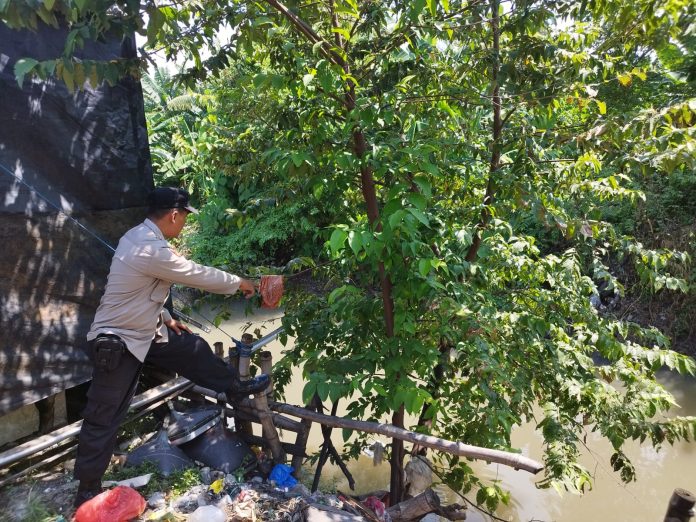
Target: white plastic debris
(157, 500)
(207, 514)
(134, 482)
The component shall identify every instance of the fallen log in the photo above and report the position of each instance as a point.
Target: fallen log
(419, 506)
(513, 460)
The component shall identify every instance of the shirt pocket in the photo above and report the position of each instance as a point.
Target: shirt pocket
(160, 292)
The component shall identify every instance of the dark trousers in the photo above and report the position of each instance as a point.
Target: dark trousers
(110, 394)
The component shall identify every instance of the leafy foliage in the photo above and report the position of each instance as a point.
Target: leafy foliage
(464, 165)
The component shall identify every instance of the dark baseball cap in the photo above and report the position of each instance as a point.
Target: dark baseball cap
(170, 197)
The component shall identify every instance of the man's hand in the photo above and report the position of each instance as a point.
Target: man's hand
(247, 288)
(177, 326)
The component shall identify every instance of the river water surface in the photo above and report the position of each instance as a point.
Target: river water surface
(659, 473)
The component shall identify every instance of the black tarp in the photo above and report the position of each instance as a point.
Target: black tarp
(87, 154)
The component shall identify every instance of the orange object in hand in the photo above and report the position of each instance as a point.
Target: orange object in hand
(271, 290)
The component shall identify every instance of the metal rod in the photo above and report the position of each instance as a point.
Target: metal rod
(191, 320)
(266, 339)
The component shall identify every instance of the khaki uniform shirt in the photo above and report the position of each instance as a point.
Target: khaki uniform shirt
(143, 268)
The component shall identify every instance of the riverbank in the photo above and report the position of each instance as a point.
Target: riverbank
(48, 497)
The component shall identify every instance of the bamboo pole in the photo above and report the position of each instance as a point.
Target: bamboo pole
(303, 436)
(266, 364)
(260, 403)
(242, 359)
(27, 449)
(270, 433)
(280, 421)
(681, 506)
(513, 460)
(289, 448)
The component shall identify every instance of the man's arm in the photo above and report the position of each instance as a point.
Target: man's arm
(169, 266)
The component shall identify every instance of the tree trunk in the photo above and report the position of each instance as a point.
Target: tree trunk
(497, 135)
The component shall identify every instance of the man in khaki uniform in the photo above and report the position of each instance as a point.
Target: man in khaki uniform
(131, 326)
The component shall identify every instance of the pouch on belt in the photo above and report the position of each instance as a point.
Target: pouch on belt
(107, 351)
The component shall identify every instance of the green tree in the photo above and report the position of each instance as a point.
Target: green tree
(467, 151)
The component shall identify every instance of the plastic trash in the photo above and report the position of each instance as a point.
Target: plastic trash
(377, 507)
(281, 474)
(244, 505)
(271, 290)
(207, 514)
(115, 505)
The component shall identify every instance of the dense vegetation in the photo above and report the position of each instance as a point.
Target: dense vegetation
(477, 184)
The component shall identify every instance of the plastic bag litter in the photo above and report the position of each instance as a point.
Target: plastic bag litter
(244, 506)
(281, 474)
(378, 508)
(208, 514)
(271, 290)
(115, 505)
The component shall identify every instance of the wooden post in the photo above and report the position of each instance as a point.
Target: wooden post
(266, 363)
(681, 506)
(233, 357)
(219, 349)
(244, 364)
(270, 433)
(241, 362)
(303, 435)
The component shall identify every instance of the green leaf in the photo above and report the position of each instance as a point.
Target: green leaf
(424, 185)
(323, 389)
(343, 32)
(154, 25)
(259, 80)
(355, 241)
(308, 392)
(417, 200)
(338, 238)
(22, 68)
(424, 266)
(420, 216)
(396, 218)
(417, 8)
(432, 5)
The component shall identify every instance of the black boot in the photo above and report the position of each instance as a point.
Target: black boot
(87, 490)
(255, 385)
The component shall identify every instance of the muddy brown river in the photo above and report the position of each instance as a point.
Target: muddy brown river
(659, 473)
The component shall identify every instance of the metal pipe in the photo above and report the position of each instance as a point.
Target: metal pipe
(266, 339)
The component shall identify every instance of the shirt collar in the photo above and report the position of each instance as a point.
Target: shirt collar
(151, 225)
